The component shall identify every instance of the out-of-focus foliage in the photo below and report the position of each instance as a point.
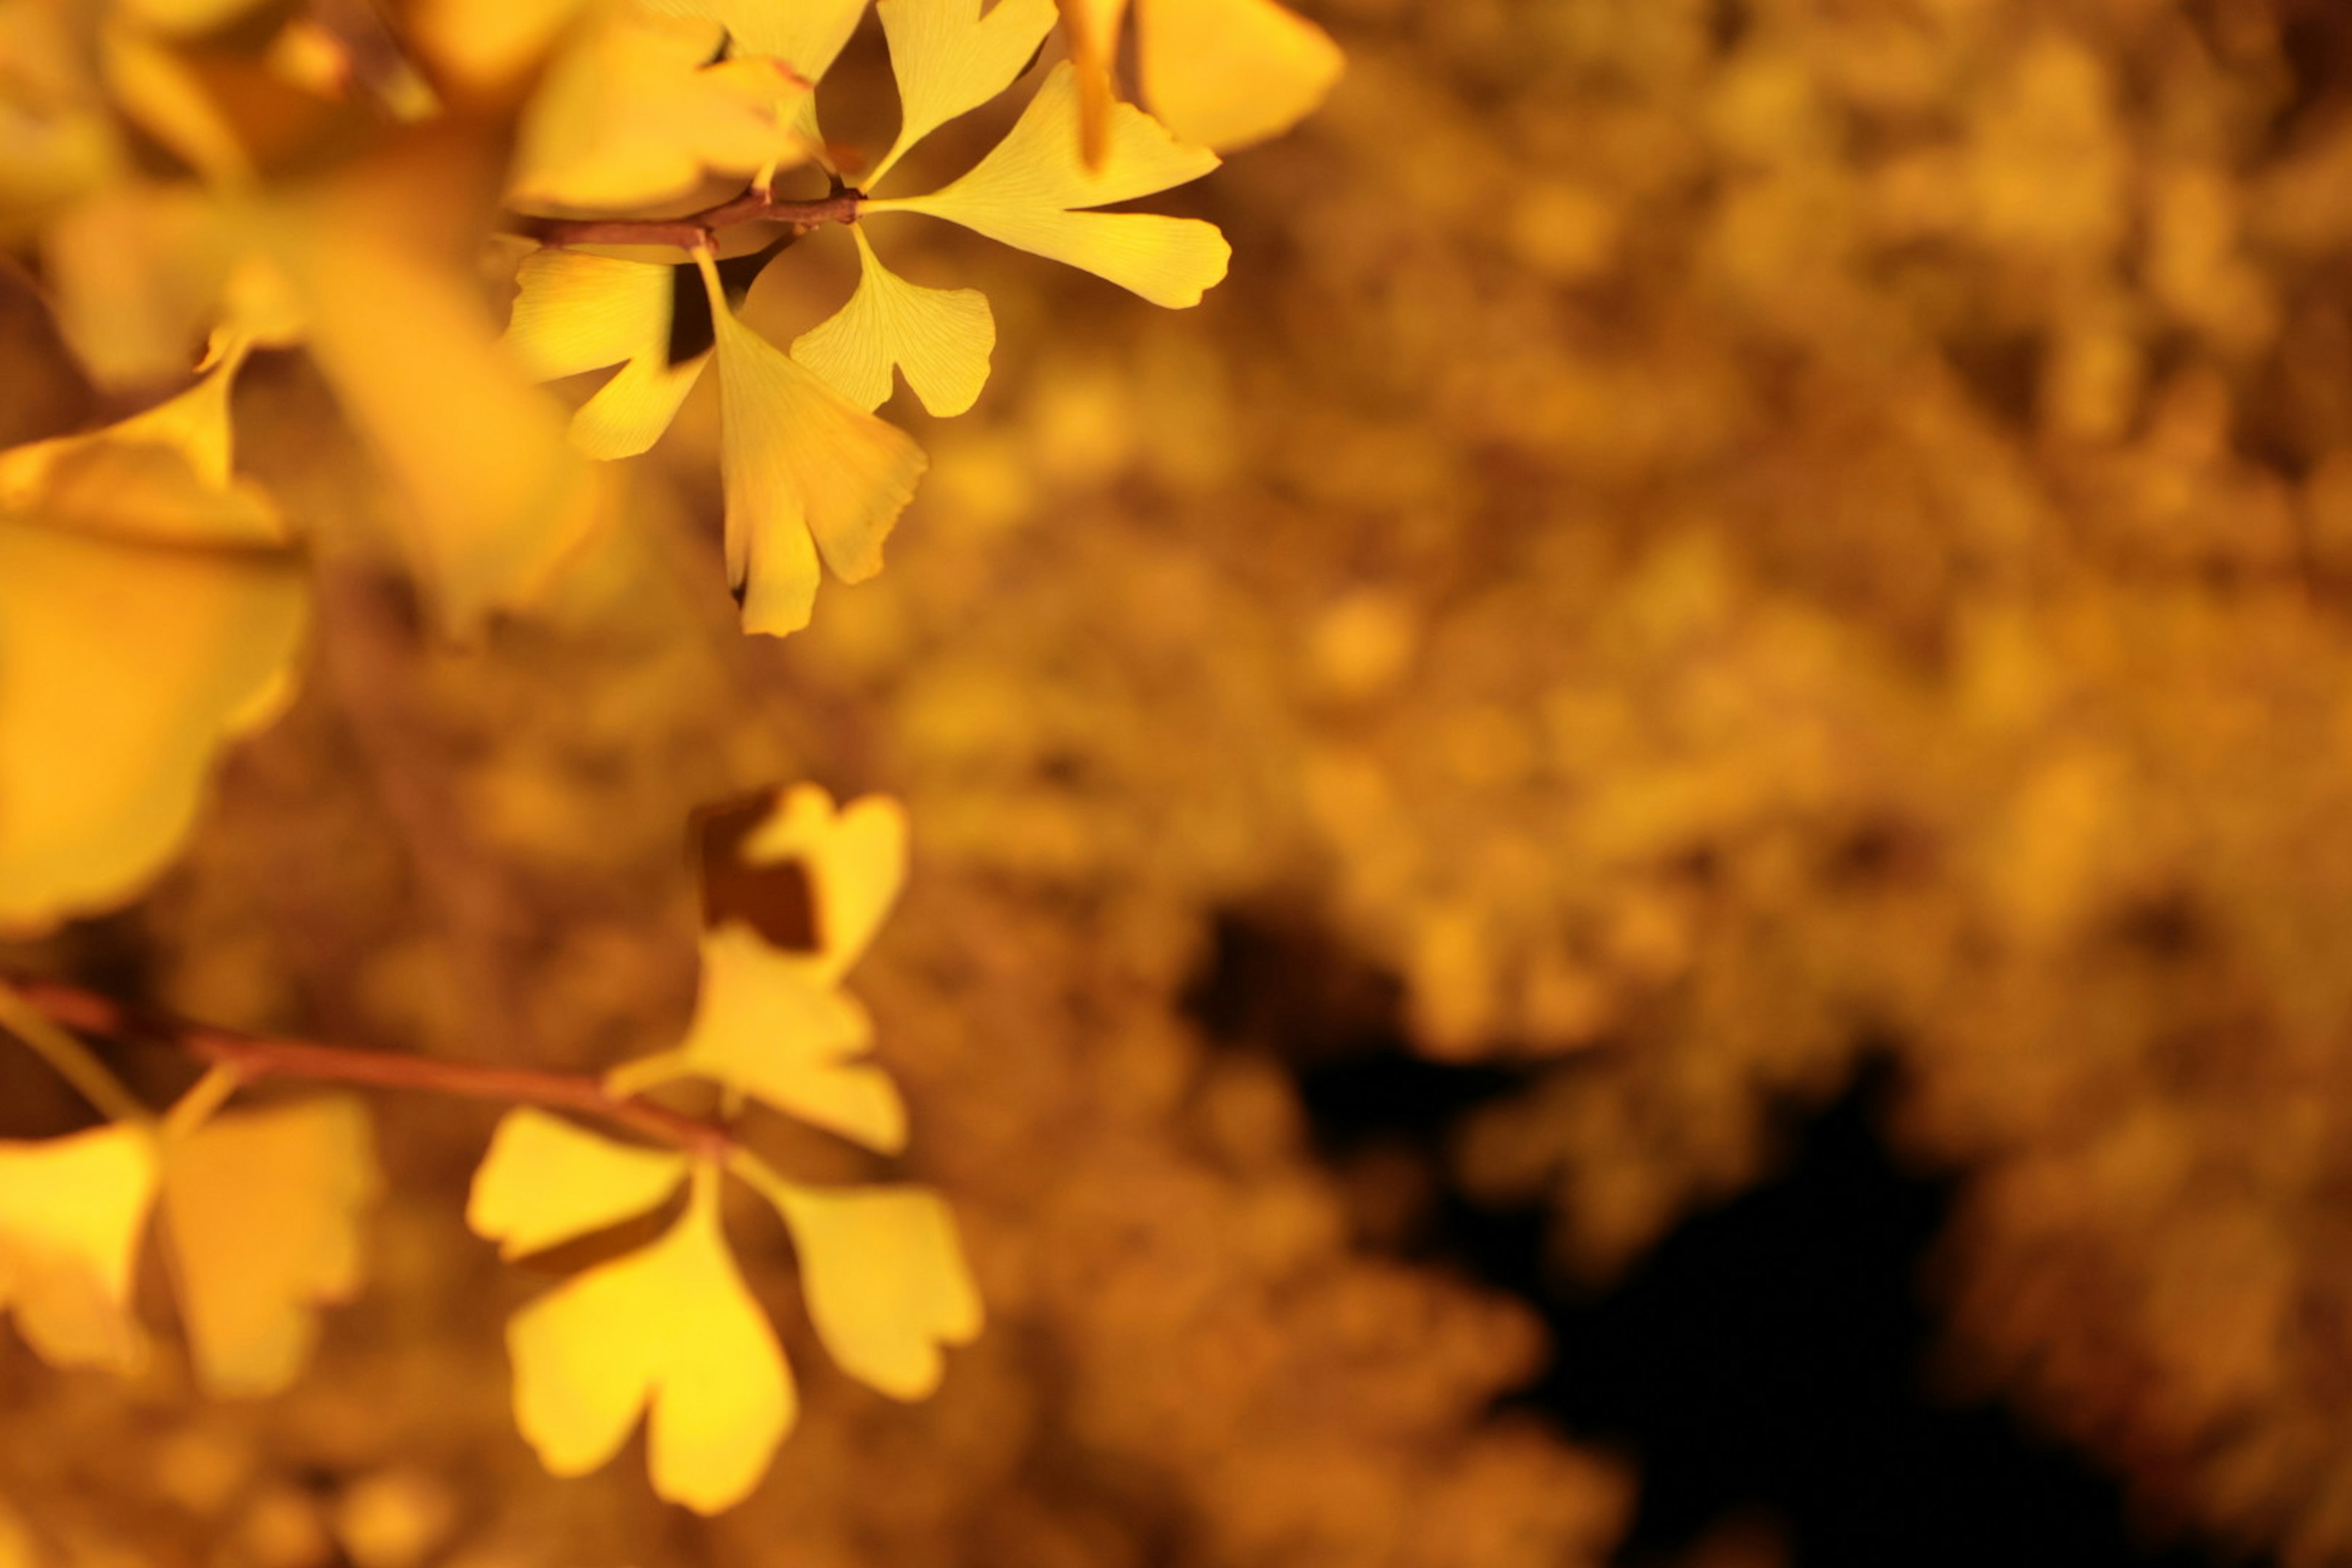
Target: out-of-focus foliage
(1704, 538)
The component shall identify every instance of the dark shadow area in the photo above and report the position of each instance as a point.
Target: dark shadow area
(1763, 1363)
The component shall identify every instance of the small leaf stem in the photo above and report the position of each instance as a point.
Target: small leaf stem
(696, 229)
(54, 1008)
(21, 1015)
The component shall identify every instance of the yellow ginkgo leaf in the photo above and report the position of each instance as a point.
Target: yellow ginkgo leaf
(1027, 192)
(807, 35)
(805, 471)
(261, 1209)
(771, 1025)
(1225, 73)
(494, 498)
(949, 58)
(885, 1280)
(486, 45)
(576, 312)
(138, 270)
(194, 424)
(671, 1328)
(71, 1212)
(856, 861)
(633, 112)
(546, 1181)
(1220, 73)
(136, 632)
(941, 338)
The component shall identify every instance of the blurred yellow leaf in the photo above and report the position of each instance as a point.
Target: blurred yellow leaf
(1026, 191)
(138, 270)
(633, 112)
(194, 424)
(941, 338)
(670, 1329)
(769, 1025)
(1225, 73)
(856, 859)
(261, 1210)
(489, 45)
(495, 498)
(139, 625)
(806, 471)
(71, 1211)
(1221, 73)
(807, 35)
(949, 58)
(885, 1280)
(575, 313)
(545, 1181)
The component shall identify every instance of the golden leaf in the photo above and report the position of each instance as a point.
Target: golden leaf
(576, 312)
(807, 35)
(941, 338)
(856, 862)
(772, 1023)
(1027, 191)
(71, 1211)
(1225, 73)
(806, 471)
(949, 58)
(885, 1280)
(494, 498)
(194, 424)
(261, 1211)
(139, 626)
(545, 1181)
(632, 113)
(1220, 73)
(670, 1329)
(489, 45)
(769, 1025)
(138, 270)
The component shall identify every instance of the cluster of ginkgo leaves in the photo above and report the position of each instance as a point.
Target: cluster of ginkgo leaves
(259, 1209)
(193, 181)
(190, 183)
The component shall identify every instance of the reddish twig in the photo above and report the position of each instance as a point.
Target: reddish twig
(253, 1058)
(696, 229)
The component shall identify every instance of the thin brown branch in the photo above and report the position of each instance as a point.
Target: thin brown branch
(254, 1058)
(696, 229)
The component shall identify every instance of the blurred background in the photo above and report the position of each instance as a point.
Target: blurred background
(1644, 856)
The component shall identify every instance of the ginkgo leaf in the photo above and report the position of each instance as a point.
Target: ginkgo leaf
(771, 1025)
(805, 471)
(1225, 73)
(807, 35)
(632, 112)
(671, 1329)
(195, 424)
(1220, 73)
(138, 629)
(495, 498)
(576, 312)
(1094, 28)
(941, 338)
(261, 1210)
(488, 44)
(885, 1280)
(138, 270)
(949, 58)
(545, 1181)
(71, 1212)
(1027, 191)
(856, 859)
